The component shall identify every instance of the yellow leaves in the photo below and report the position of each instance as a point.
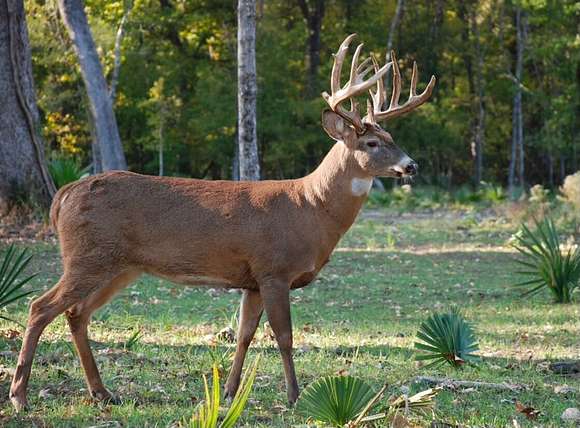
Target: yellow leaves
(65, 130)
(65, 78)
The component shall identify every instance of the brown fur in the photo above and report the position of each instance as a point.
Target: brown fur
(264, 237)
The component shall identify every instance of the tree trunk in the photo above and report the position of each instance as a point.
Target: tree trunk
(517, 147)
(313, 16)
(161, 159)
(117, 54)
(106, 131)
(394, 25)
(479, 134)
(247, 91)
(23, 168)
(473, 60)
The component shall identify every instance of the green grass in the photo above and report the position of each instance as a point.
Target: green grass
(359, 317)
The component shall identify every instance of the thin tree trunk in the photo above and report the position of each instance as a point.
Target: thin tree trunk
(517, 150)
(23, 168)
(97, 166)
(550, 161)
(521, 45)
(479, 134)
(161, 160)
(75, 20)
(394, 25)
(117, 54)
(247, 91)
(313, 16)
(390, 41)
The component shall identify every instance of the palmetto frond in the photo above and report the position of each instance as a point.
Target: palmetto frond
(446, 338)
(545, 263)
(11, 268)
(335, 400)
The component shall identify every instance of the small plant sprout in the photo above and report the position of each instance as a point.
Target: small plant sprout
(207, 413)
(134, 339)
(12, 266)
(446, 338)
(547, 263)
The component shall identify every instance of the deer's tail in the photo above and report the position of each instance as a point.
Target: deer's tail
(58, 199)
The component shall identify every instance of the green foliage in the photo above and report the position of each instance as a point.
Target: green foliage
(207, 413)
(13, 264)
(335, 400)
(185, 56)
(134, 339)
(547, 264)
(446, 338)
(66, 169)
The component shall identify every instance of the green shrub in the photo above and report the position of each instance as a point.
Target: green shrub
(547, 264)
(65, 169)
(13, 264)
(491, 193)
(447, 338)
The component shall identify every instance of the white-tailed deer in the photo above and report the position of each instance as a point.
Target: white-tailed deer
(263, 237)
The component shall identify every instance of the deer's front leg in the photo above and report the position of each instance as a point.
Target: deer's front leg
(251, 309)
(276, 299)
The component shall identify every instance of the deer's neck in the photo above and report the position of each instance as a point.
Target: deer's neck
(338, 187)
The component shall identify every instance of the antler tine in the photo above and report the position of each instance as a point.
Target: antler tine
(370, 117)
(414, 78)
(364, 67)
(338, 61)
(395, 109)
(396, 82)
(355, 85)
(353, 67)
(379, 97)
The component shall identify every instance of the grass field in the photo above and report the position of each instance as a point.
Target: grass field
(360, 316)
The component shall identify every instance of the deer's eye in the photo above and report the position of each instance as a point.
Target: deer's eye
(372, 143)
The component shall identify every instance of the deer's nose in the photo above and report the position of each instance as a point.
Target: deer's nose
(411, 168)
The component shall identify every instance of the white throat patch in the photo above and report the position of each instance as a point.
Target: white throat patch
(361, 186)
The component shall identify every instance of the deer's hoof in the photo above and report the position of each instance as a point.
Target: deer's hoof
(293, 396)
(105, 397)
(229, 393)
(19, 403)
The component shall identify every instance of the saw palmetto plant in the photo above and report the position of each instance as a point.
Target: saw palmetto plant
(546, 264)
(446, 338)
(346, 401)
(64, 170)
(336, 400)
(11, 283)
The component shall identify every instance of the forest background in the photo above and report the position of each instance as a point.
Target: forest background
(506, 108)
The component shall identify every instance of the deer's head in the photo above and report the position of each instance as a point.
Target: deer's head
(370, 145)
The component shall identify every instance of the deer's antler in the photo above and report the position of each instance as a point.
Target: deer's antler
(378, 98)
(356, 84)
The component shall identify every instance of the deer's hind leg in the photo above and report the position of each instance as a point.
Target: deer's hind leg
(79, 316)
(42, 312)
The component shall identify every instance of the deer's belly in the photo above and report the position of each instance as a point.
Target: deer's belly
(196, 280)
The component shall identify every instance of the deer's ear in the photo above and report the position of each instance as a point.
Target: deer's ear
(335, 126)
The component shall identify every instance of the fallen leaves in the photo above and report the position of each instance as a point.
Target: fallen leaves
(528, 411)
